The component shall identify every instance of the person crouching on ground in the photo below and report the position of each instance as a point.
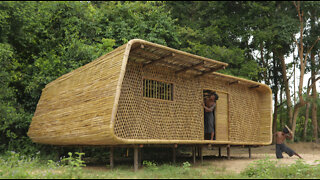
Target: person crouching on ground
(280, 146)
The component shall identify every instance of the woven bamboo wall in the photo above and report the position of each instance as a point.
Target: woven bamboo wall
(222, 117)
(244, 110)
(77, 107)
(139, 117)
(265, 115)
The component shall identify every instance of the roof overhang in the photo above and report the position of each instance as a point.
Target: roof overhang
(180, 62)
(147, 54)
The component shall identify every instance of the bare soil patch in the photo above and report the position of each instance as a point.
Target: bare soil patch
(240, 156)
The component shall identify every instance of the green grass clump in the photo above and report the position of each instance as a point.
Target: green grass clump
(16, 166)
(266, 169)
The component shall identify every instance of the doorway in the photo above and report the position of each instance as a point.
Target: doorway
(207, 115)
(221, 116)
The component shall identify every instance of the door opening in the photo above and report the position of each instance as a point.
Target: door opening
(209, 101)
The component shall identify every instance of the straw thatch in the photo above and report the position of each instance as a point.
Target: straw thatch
(104, 103)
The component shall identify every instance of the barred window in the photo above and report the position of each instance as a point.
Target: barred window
(157, 89)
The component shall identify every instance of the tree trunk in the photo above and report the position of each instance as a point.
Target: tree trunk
(275, 111)
(314, 99)
(303, 62)
(314, 122)
(306, 122)
(314, 87)
(275, 115)
(281, 108)
(264, 64)
(294, 80)
(295, 116)
(287, 90)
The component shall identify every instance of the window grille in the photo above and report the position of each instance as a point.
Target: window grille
(157, 89)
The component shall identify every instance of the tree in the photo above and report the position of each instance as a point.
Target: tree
(303, 61)
(40, 41)
(217, 30)
(312, 33)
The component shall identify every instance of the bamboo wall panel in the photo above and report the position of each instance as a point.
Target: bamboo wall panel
(265, 128)
(141, 117)
(222, 118)
(145, 118)
(244, 114)
(76, 108)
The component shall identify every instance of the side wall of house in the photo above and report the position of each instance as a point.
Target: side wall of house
(249, 111)
(241, 108)
(77, 107)
(139, 117)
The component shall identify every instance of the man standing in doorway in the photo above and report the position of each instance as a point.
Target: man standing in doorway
(209, 106)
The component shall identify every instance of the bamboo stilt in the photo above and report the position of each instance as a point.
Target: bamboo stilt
(111, 158)
(135, 159)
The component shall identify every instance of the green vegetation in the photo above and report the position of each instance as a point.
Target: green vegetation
(266, 168)
(15, 166)
(40, 41)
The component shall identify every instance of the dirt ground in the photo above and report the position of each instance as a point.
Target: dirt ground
(240, 156)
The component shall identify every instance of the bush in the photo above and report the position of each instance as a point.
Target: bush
(74, 165)
(261, 168)
(150, 165)
(267, 168)
(14, 165)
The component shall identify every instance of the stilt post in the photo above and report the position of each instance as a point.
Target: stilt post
(111, 158)
(174, 153)
(228, 151)
(140, 155)
(193, 154)
(135, 158)
(200, 153)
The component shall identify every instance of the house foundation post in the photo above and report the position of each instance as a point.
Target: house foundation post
(194, 154)
(174, 154)
(200, 154)
(135, 158)
(228, 151)
(111, 158)
(140, 156)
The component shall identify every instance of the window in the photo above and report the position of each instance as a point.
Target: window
(158, 90)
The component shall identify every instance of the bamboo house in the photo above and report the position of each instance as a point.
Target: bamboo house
(146, 93)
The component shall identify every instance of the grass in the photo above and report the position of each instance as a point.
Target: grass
(266, 168)
(16, 166)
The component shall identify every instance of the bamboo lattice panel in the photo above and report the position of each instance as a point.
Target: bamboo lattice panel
(139, 117)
